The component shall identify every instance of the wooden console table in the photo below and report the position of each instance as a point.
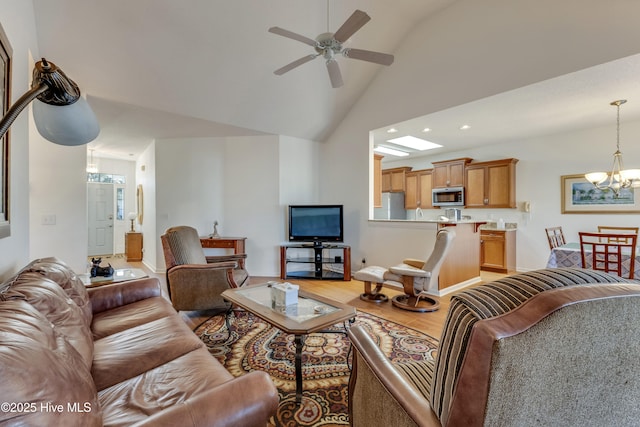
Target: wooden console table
(133, 246)
(235, 243)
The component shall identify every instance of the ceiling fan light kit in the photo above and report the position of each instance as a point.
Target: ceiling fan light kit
(328, 45)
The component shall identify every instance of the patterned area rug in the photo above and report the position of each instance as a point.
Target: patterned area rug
(256, 346)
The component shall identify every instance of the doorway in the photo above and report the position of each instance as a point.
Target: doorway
(100, 218)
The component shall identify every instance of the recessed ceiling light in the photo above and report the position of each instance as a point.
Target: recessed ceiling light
(392, 130)
(415, 143)
(426, 130)
(390, 151)
(465, 127)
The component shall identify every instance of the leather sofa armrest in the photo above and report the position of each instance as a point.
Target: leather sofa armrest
(246, 401)
(373, 374)
(118, 294)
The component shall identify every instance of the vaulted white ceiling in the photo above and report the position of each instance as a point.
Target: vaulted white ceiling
(204, 68)
(195, 68)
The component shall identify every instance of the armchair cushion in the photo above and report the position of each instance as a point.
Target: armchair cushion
(408, 270)
(198, 287)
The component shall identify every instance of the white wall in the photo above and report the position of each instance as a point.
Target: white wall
(17, 19)
(469, 51)
(251, 200)
(146, 178)
(244, 183)
(299, 171)
(59, 188)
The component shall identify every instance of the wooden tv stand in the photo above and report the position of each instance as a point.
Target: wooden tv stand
(313, 258)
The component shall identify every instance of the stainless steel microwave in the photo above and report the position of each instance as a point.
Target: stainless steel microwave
(451, 196)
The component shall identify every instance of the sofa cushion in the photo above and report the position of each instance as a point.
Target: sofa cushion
(129, 353)
(139, 397)
(56, 270)
(40, 370)
(130, 315)
(489, 300)
(56, 306)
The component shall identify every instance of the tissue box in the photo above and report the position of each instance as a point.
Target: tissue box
(284, 294)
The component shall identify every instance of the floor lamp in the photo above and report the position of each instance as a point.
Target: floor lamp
(63, 116)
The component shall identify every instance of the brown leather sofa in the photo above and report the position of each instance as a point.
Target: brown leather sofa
(115, 355)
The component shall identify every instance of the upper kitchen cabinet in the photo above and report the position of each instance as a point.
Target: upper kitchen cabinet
(377, 180)
(418, 189)
(449, 173)
(491, 184)
(393, 180)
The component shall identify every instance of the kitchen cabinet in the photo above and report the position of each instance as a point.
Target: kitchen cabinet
(498, 250)
(491, 184)
(449, 173)
(393, 180)
(377, 180)
(418, 189)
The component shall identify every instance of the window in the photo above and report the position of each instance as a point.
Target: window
(120, 203)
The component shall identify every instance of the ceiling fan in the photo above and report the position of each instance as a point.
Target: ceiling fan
(328, 45)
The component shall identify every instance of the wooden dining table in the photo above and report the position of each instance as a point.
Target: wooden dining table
(568, 255)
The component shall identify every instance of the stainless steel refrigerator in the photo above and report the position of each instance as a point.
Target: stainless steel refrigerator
(392, 207)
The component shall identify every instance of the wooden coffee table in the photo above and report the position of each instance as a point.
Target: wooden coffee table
(312, 313)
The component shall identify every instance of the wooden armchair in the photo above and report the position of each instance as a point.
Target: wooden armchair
(540, 348)
(195, 281)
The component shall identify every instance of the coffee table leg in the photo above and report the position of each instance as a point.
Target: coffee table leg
(299, 341)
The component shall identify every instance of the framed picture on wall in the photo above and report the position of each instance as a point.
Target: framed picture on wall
(5, 98)
(579, 196)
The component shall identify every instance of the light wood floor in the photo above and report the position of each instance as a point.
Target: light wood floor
(346, 292)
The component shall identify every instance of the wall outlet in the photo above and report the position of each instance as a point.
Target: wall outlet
(49, 219)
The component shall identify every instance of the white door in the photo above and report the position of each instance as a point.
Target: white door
(100, 218)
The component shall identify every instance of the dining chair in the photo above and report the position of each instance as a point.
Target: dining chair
(609, 252)
(615, 229)
(555, 236)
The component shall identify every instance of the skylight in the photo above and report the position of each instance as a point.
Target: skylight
(415, 143)
(390, 151)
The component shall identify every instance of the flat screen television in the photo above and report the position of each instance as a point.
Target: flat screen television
(315, 223)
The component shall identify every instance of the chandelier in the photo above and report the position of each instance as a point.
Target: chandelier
(619, 177)
(91, 167)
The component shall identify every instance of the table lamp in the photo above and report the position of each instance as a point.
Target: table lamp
(132, 217)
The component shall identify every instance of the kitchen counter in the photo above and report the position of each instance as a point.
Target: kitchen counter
(509, 226)
(431, 221)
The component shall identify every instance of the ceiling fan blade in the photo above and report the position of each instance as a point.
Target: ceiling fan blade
(334, 73)
(368, 55)
(294, 64)
(286, 33)
(351, 25)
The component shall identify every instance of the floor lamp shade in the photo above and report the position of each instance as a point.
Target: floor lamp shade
(73, 124)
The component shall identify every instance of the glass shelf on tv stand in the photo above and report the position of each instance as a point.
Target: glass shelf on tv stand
(319, 262)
